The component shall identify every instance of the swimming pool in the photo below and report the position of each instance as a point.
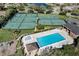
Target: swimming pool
(49, 39)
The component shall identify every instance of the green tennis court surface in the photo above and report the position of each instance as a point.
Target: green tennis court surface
(50, 20)
(28, 21)
(21, 21)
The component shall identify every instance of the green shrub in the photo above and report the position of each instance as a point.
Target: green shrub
(21, 7)
(10, 13)
(75, 11)
(62, 13)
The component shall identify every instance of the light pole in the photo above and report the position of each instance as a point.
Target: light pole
(37, 22)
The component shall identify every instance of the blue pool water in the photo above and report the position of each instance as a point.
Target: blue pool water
(49, 39)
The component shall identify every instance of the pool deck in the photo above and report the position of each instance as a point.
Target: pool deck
(68, 39)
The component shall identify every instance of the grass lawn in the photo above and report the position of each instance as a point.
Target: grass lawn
(63, 17)
(26, 31)
(51, 27)
(46, 15)
(6, 35)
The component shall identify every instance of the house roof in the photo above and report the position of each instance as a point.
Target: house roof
(73, 28)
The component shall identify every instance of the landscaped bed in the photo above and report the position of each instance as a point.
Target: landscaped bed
(19, 51)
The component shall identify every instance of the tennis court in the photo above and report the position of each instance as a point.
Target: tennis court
(28, 21)
(21, 21)
(27, 26)
(50, 20)
(12, 26)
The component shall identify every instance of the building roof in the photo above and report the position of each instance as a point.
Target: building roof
(73, 28)
(74, 21)
(32, 46)
(70, 8)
